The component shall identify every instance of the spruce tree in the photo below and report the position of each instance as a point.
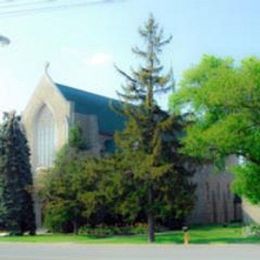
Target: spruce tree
(16, 203)
(149, 145)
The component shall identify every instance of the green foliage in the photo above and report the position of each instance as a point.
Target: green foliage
(247, 181)
(223, 100)
(147, 179)
(153, 177)
(172, 187)
(60, 191)
(97, 232)
(76, 139)
(76, 191)
(107, 231)
(252, 231)
(16, 205)
(58, 216)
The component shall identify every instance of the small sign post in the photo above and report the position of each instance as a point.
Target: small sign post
(185, 235)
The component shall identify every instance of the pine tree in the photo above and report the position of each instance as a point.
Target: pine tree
(16, 203)
(149, 144)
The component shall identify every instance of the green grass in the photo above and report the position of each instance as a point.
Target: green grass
(198, 235)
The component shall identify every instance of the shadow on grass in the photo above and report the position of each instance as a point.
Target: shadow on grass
(169, 240)
(198, 235)
(227, 241)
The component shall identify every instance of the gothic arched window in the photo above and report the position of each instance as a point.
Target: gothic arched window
(45, 137)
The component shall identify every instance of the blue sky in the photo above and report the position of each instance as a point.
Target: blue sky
(82, 44)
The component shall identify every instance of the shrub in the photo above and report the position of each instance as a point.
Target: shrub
(252, 231)
(57, 217)
(106, 231)
(139, 228)
(97, 232)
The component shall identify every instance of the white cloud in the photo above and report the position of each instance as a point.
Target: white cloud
(96, 59)
(100, 58)
(11, 89)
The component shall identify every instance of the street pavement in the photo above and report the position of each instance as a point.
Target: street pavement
(25, 251)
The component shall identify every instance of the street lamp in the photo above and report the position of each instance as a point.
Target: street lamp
(4, 40)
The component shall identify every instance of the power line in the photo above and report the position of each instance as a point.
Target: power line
(18, 2)
(12, 5)
(12, 10)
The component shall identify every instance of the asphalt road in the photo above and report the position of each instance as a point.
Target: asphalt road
(15, 251)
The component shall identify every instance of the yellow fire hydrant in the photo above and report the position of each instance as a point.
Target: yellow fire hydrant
(185, 235)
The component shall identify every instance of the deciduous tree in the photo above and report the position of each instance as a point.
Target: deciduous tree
(223, 99)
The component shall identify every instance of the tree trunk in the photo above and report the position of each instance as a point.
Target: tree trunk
(75, 227)
(150, 216)
(151, 236)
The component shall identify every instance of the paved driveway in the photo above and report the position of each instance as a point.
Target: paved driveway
(26, 251)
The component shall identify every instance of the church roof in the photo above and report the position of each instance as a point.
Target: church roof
(92, 104)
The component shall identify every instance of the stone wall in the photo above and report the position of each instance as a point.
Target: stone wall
(215, 203)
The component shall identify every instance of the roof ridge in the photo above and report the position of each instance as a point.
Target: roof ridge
(89, 103)
(85, 91)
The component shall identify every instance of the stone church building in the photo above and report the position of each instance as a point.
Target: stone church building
(54, 108)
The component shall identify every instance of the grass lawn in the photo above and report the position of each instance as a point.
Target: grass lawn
(198, 235)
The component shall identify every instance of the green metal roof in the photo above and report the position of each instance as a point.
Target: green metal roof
(92, 104)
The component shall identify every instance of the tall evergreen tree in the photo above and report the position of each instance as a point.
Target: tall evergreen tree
(16, 204)
(148, 146)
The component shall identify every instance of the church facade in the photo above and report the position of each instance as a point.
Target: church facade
(54, 108)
